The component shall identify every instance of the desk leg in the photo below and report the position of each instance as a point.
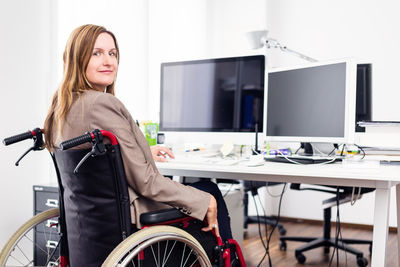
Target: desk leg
(398, 222)
(381, 223)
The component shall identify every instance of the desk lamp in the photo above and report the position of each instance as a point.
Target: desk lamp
(259, 39)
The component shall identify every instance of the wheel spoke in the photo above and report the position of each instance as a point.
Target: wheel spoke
(11, 256)
(26, 257)
(133, 260)
(158, 246)
(183, 253)
(197, 258)
(165, 252)
(36, 245)
(188, 257)
(154, 256)
(169, 254)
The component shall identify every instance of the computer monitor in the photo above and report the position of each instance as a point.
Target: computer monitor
(213, 95)
(314, 103)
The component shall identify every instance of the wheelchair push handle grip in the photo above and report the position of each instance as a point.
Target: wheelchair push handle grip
(76, 141)
(19, 137)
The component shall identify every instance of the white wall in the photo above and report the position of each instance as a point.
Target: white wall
(128, 21)
(188, 30)
(26, 76)
(177, 31)
(326, 29)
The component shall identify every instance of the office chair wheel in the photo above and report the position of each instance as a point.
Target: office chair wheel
(23, 244)
(362, 262)
(159, 246)
(282, 245)
(282, 230)
(300, 258)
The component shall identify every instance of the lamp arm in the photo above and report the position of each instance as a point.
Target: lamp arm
(285, 49)
(273, 43)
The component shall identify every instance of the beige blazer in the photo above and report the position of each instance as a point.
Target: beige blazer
(148, 189)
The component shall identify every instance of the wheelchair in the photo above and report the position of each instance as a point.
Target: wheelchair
(92, 225)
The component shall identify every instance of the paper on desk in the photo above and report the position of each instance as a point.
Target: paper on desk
(226, 148)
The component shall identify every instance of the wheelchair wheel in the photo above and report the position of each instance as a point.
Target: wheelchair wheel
(158, 246)
(24, 248)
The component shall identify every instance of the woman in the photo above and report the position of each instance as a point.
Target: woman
(85, 101)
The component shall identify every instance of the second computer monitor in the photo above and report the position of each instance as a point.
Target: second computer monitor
(313, 103)
(213, 95)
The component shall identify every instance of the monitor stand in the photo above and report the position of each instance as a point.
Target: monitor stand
(307, 149)
(312, 149)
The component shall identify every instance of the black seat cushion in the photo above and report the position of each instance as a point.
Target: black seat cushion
(158, 216)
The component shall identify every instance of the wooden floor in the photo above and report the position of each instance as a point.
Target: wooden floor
(253, 249)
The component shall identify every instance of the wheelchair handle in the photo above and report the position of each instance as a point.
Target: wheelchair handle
(76, 141)
(86, 138)
(21, 137)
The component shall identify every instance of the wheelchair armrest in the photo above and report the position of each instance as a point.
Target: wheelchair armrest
(159, 216)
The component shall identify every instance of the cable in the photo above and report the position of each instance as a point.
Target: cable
(259, 230)
(266, 232)
(341, 153)
(266, 225)
(229, 189)
(362, 150)
(335, 249)
(299, 163)
(272, 195)
(341, 238)
(333, 150)
(254, 151)
(340, 231)
(277, 221)
(353, 201)
(338, 234)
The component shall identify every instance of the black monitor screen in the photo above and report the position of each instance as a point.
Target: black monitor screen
(225, 94)
(307, 102)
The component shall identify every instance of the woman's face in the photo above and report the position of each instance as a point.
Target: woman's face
(103, 64)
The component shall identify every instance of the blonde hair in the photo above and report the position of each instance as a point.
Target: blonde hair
(77, 54)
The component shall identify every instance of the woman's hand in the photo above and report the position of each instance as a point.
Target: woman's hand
(211, 217)
(160, 153)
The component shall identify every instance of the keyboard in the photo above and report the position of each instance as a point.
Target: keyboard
(304, 159)
(205, 160)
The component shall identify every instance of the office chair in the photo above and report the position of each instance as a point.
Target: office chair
(326, 241)
(253, 186)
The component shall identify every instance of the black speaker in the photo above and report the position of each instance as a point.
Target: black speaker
(160, 138)
(363, 95)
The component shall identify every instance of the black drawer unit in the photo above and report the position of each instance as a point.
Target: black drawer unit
(45, 234)
(44, 198)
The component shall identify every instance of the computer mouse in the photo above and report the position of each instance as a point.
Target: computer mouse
(255, 163)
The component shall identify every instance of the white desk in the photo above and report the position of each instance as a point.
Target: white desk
(352, 174)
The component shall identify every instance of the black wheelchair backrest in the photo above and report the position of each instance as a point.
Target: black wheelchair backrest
(96, 204)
